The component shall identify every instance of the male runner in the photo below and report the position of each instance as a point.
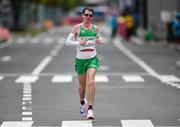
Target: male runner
(84, 36)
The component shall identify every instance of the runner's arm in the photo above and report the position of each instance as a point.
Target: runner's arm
(98, 37)
(71, 39)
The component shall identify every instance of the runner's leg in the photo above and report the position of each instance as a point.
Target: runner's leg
(91, 72)
(82, 86)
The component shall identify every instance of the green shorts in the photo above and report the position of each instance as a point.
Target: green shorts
(82, 65)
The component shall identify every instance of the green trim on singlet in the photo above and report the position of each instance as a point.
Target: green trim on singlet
(87, 32)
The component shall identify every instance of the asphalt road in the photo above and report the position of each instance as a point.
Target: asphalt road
(136, 86)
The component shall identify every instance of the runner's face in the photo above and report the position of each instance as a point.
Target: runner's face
(87, 16)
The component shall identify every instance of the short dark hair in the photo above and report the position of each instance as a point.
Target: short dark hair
(89, 9)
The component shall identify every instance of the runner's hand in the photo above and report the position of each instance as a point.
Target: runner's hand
(82, 42)
(98, 41)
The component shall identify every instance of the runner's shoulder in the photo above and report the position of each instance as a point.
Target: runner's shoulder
(75, 29)
(96, 28)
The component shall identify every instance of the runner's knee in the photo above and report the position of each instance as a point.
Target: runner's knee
(91, 83)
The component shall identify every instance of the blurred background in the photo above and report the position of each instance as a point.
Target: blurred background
(147, 19)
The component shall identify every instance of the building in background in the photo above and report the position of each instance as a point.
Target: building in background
(6, 19)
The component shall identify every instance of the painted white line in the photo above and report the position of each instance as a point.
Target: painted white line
(20, 40)
(27, 95)
(103, 68)
(143, 65)
(27, 99)
(26, 103)
(42, 65)
(26, 118)
(56, 50)
(26, 113)
(132, 78)
(137, 60)
(178, 86)
(74, 74)
(25, 108)
(77, 123)
(5, 58)
(1, 77)
(169, 78)
(26, 79)
(48, 40)
(27, 92)
(17, 124)
(62, 78)
(137, 123)
(35, 40)
(174, 84)
(101, 78)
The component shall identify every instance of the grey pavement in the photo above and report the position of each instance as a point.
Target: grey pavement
(136, 86)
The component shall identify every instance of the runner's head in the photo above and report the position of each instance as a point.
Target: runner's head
(87, 14)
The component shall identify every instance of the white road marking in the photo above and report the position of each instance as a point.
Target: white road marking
(27, 102)
(5, 58)
(42, 65)
(27, 95)
(26, 118)
(173, 84)
(82, 123)
(169, 78)
(101, 78)
(26, 113)
(55, 51)
(35, 40)
(26, 98)
(132, 78)
(103, 68)
(62, 78)
(20, 40)
(1, 77)
(74, 74)
(143, 65)
(25, 108)
(137, 123)
(46, 61)
(27, 91)
(178, 86)
(48, 40)
(17, 124)
(137, 60)
(27, 79)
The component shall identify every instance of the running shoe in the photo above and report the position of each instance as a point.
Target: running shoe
(83, 109)
(90, 114)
